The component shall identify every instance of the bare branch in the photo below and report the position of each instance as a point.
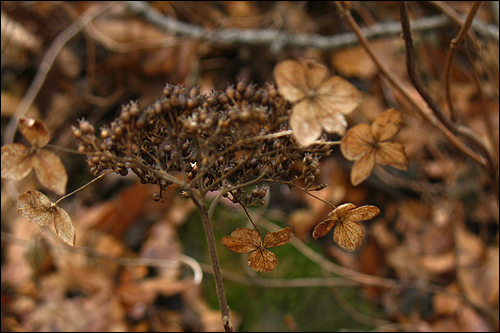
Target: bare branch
(277, 39)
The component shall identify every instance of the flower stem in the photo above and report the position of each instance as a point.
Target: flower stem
(219, 286)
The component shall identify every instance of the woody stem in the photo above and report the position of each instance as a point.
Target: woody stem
(219, 286)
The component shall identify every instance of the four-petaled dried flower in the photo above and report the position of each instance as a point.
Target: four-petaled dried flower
(18, 160)
(320, 101)
(348, 233)
(368, 145)
(244, 240)
(38, 209)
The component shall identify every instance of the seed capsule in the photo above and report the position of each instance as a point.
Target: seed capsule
(86, 127)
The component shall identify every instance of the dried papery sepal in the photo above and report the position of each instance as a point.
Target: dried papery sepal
(319, 101)
(18, 160)
(245, 240)
(38, 209)
(35, 131)
(348, 233)
(369, 145)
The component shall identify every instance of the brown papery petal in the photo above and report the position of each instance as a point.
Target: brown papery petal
(341, 211)
(64, 227)
(362, 168)
(363, 213)
(35, 131)
(315, 73)
(348, 235)
(290, 79)
(36, 207)
(357, 142)
(262, 260)
(50, 171)
(338, 95)
(323, 228)
(17, 161)
(386, 125)
(334, 123)
(305, 126)
(278, 238)
(242, 240)
(392, 153)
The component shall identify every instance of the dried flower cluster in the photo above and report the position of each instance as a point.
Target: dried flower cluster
(224, 140)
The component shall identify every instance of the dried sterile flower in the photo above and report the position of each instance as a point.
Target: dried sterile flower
(348, 233)
(18, 160)
(38, 209)
(244, 240)
(368, 145)
(321, 101)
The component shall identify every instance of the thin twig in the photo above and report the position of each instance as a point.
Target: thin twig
(410, 65)
(451, 55)
(491, 164)
(46, 65)
(409, 96)
(277, 40)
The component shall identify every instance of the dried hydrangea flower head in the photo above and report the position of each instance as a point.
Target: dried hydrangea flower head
(320, 100)
(369, 145)
(200, 142)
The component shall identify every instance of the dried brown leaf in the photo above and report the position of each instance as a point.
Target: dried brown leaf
(50, 171)
(38, 209)
(17, 161)
(35, 131)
